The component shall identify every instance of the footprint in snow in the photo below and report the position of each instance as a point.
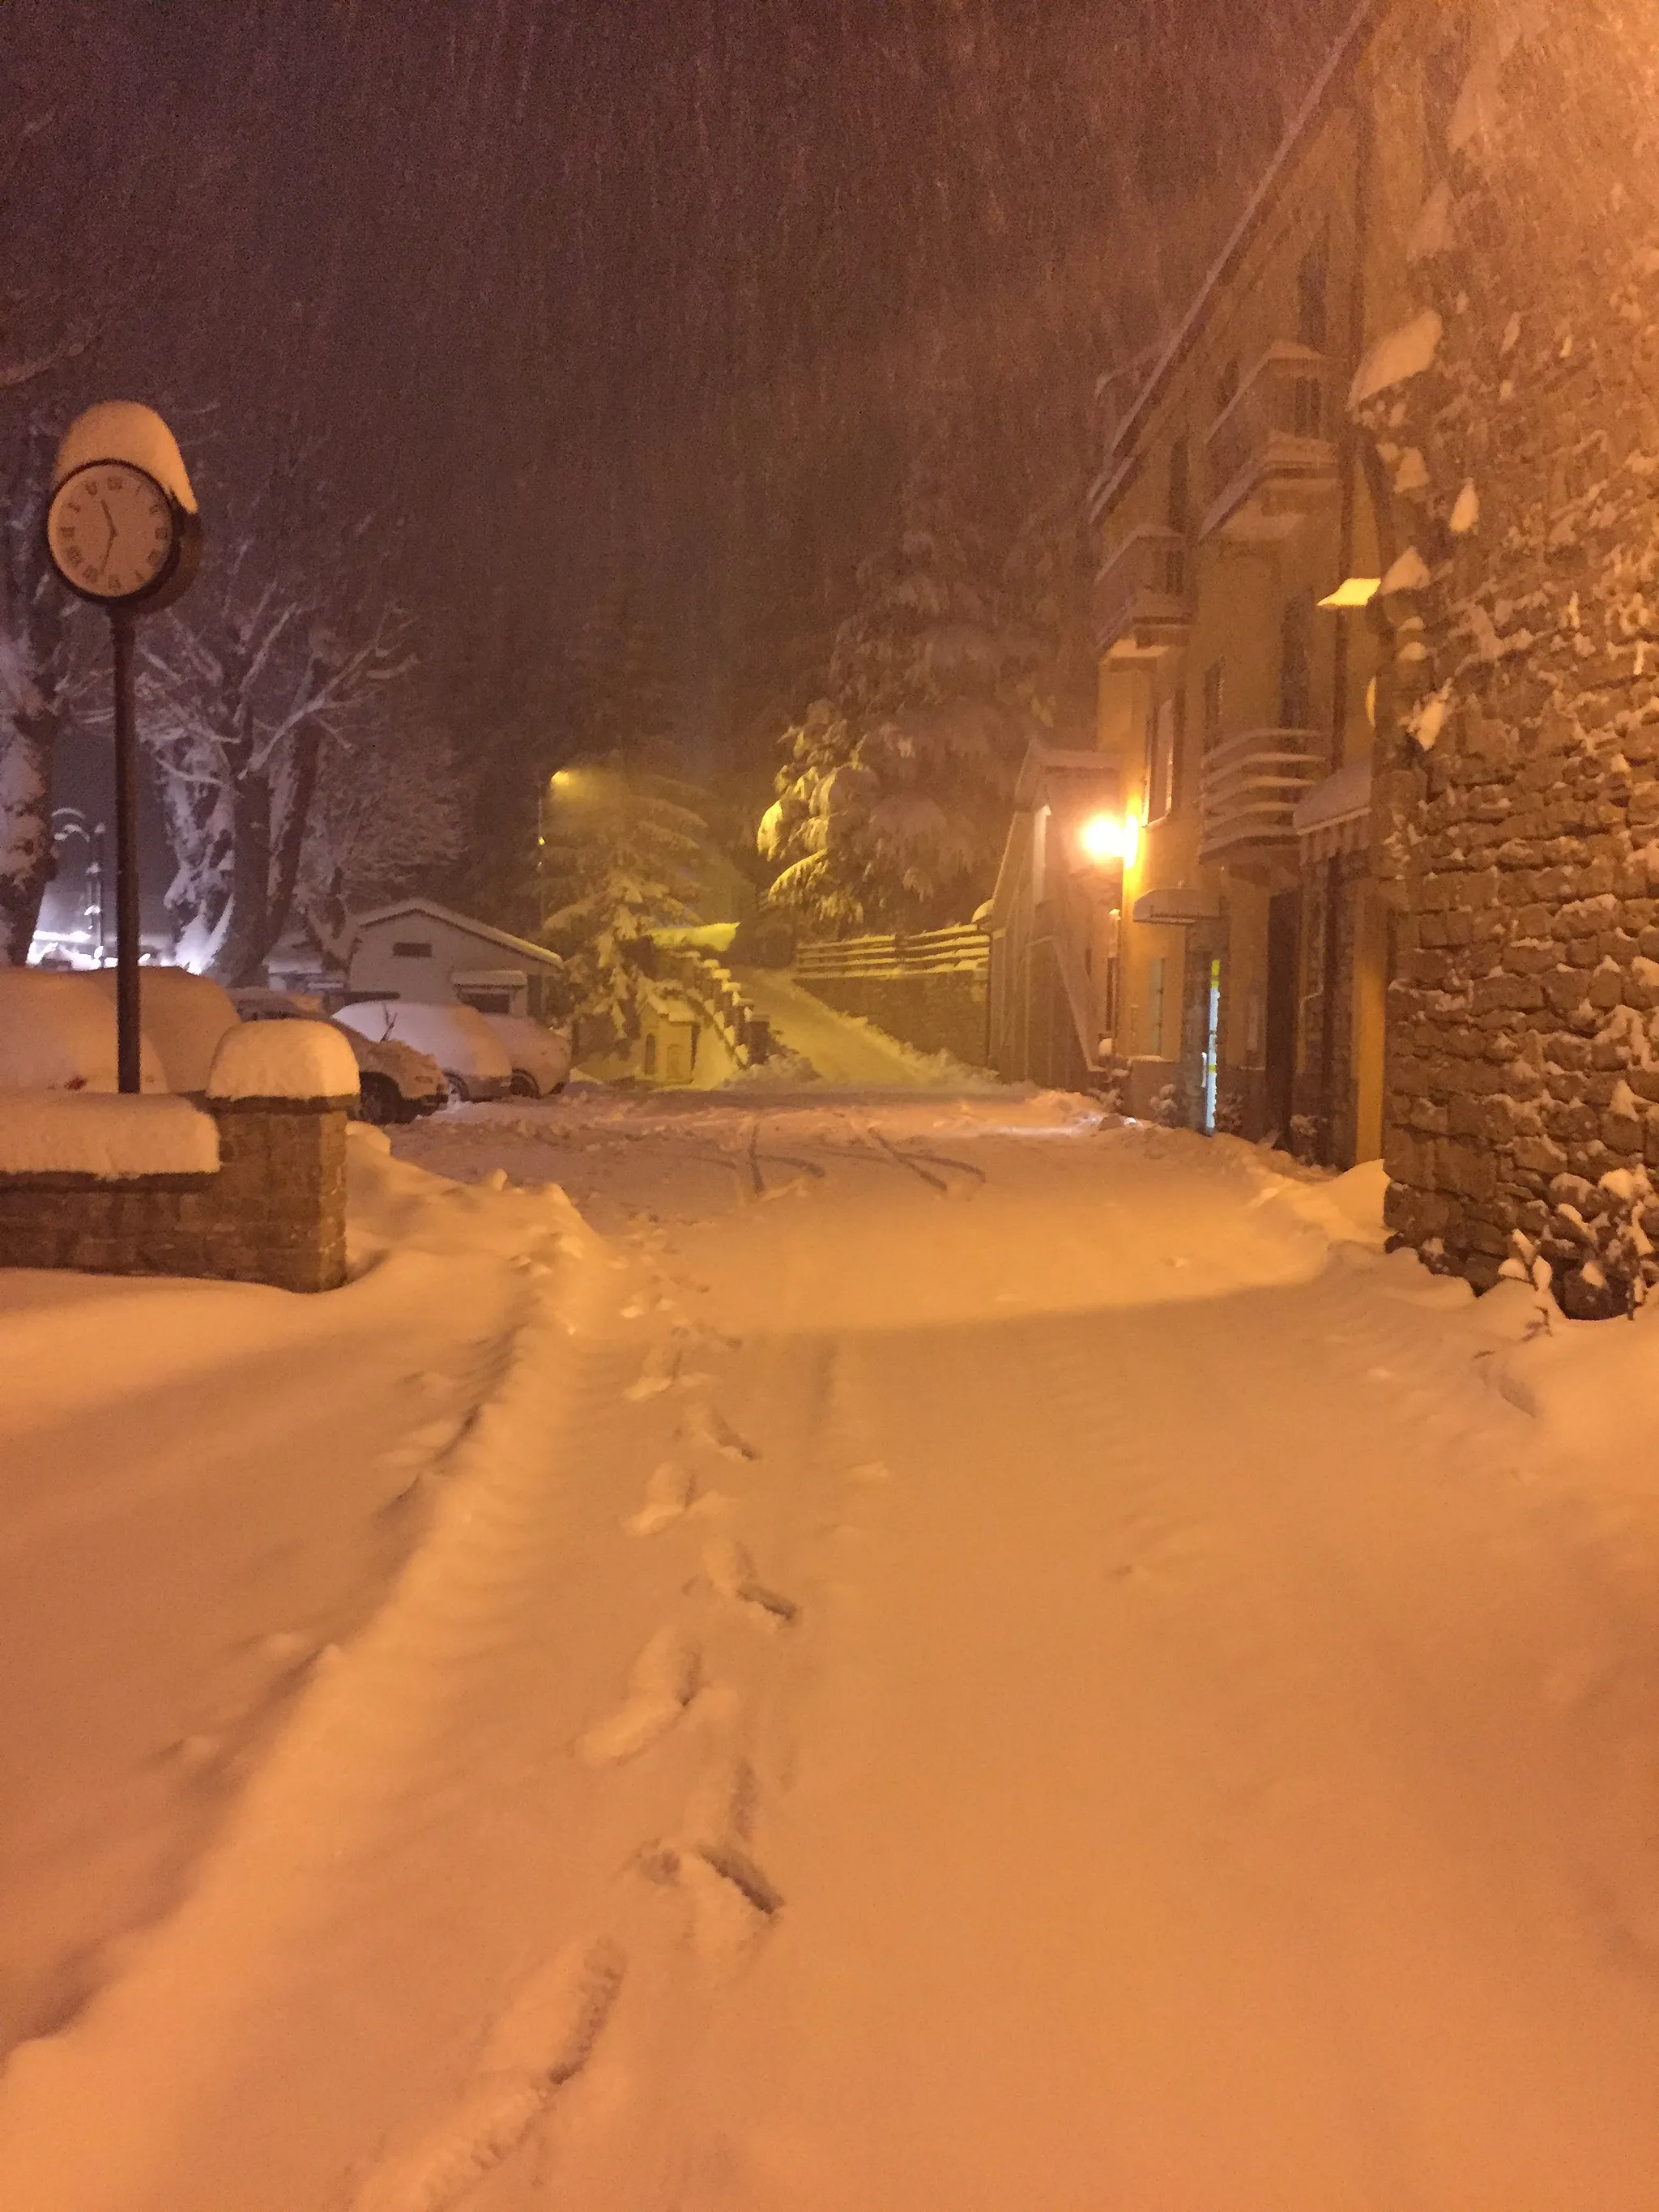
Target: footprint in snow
(543, 2040)
(668, 1494)
(732, 1901)
(662, 1683)
(731, 1571)
(871, 1472)
(659, 1373)
(705, 1425)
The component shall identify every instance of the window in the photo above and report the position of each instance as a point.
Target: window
(412, 948)
(1177, 512)
(1215, 692)
(1311, 297)
(487, 1000)
(1307, 408)
(1294, 659)
(1162, 730)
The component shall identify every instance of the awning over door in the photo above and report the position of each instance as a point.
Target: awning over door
(1336, 816)
(1179, 907)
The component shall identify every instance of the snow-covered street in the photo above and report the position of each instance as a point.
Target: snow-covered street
(923, 1653)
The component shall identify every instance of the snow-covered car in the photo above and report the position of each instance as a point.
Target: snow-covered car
(395, 1082)
(540, 1056)
(474, 1061)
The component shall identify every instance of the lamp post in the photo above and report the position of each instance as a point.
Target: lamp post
(122, 531)
(69, 822)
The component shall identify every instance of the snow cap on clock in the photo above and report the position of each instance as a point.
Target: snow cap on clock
(123, 430)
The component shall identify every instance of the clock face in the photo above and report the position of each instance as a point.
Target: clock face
(110, 531)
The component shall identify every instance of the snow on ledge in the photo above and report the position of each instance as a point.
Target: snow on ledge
(94, 1133)
(1403, 354)
(283, 1059)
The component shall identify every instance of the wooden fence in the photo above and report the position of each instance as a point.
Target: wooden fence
(963, 950)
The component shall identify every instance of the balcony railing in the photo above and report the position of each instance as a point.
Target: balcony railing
(1248, 789)
(1142, 595)
(1271, 454)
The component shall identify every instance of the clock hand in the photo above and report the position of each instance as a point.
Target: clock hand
(109, 519)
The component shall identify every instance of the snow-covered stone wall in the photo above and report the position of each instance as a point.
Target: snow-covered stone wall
(1514, 465)
(273, 1211)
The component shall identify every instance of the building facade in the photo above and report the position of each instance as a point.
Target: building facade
(416, 949)
(1238, 540)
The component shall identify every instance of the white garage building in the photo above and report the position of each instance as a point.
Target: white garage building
(419, 950)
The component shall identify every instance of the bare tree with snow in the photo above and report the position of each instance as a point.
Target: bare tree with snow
(387, 811)
(245, 691)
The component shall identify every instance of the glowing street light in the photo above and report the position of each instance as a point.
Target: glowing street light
(1110, 841)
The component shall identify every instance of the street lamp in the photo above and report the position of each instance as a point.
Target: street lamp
(1110, 841)
(69, 821)
(122, 531)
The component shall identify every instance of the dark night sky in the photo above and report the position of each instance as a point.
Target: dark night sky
(653, 287)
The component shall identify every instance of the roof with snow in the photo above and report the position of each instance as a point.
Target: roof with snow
(401, 910)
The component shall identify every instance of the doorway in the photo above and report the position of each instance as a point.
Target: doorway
(1284, 935)
(1212, 1042)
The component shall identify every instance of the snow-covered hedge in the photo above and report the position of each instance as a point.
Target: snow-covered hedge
(57, 1033)
(183, 1017)
(51, 1132)
(283, 1059)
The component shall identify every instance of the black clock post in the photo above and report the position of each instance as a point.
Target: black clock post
(123, 533)
(128, 921)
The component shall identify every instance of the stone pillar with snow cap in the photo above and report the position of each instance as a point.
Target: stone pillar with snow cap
(282, 1093)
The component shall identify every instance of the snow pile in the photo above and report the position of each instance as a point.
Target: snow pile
(283, 1059)
(57, 1033)
(1590, 1385)
(1346, 1209)
(88, 1133)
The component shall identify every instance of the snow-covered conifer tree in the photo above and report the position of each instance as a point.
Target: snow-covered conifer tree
(622, 847)
(893, 800)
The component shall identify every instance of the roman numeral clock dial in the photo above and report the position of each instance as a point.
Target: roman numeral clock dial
(112, 531)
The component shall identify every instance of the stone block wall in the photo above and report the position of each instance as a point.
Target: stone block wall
(1516, 815)
(275, 1212)
(942, 1012)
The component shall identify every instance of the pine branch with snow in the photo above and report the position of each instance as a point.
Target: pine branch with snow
(893, 799)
